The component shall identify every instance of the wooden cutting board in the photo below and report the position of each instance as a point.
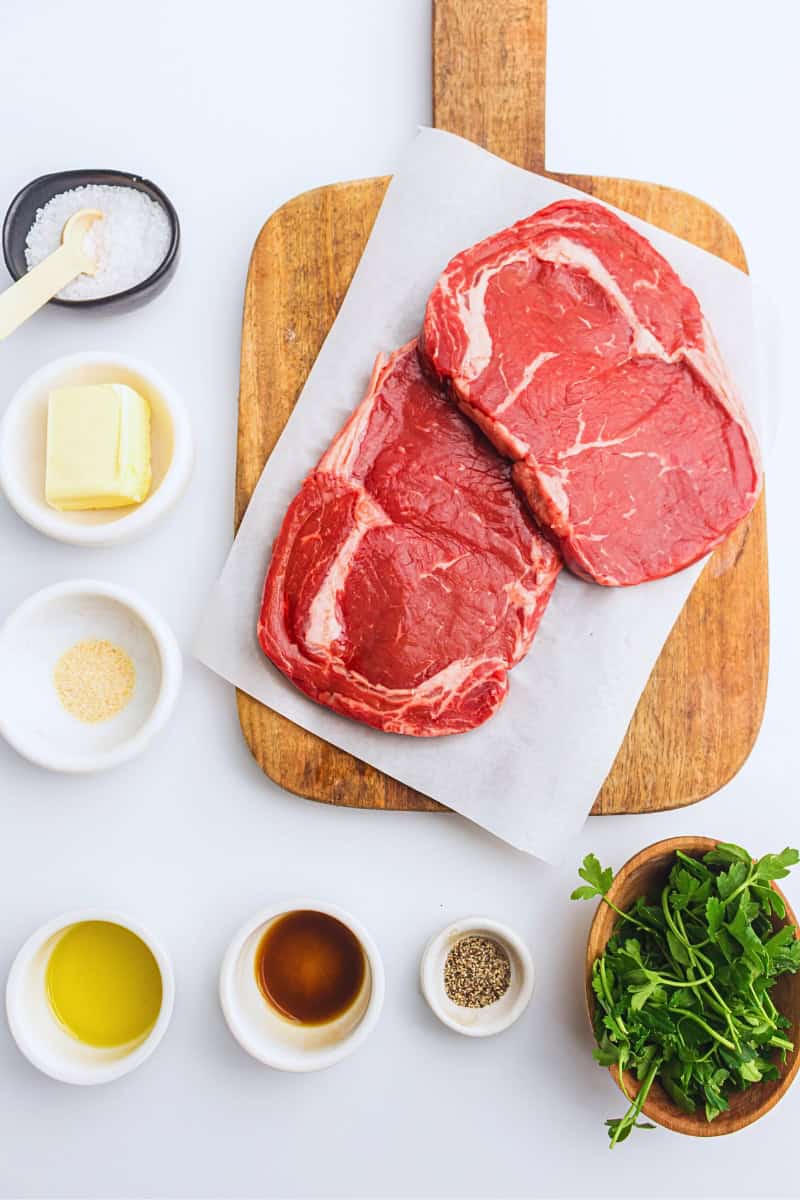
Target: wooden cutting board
(699, 715)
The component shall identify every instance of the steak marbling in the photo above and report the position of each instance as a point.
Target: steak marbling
(407, 577)
(579, 352)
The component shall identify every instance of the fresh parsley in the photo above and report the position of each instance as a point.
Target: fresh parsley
(683, 988)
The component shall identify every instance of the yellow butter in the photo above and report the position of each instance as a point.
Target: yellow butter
(98, 447)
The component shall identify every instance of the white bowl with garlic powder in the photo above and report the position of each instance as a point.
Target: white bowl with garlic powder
(89, 673)
(23, 443)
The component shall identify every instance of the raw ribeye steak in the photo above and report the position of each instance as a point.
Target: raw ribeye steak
(408, 576)
(575, 347)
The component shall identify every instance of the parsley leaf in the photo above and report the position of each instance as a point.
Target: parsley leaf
(725, 853)
(776, 866)
(731, 880)
(598, 879)
(715, 915)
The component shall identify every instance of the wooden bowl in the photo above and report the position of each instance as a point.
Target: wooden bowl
(645, 874)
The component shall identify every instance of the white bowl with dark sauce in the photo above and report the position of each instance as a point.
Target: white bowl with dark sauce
(275, 1037)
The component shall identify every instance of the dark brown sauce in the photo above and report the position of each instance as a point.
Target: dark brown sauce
(310, 966)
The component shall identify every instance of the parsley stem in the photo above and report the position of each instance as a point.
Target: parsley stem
(682, 983)
(760, 1007)
(622, 1059)
(680, 934)
(627, 916)
(742, 886)
(715, 1000)
(782, 1043)
(676, 925)
(636, 1107)
(685, 1012)
(609, 998)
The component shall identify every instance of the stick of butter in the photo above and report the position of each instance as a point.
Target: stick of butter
(98, 447)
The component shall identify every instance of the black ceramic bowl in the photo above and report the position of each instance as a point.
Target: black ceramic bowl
(22, 213)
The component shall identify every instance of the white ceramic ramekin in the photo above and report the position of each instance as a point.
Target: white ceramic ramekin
(38, 1032)
(494, 1018)
(33, 638)
(271, 1038)
(23, 441)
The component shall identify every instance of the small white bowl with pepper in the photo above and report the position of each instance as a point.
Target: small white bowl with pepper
(477, 976)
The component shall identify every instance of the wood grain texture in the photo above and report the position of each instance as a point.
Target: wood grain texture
(644, 875)
(701, 710)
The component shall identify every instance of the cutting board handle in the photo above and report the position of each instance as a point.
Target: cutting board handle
(496, 47)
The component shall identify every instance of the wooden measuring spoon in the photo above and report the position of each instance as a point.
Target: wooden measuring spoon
(42, 282)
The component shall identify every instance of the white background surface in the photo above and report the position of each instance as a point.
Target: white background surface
(233, 109)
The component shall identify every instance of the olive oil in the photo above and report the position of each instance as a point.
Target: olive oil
(310, 967)
(103, 984)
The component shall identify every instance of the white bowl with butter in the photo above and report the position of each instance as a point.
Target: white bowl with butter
(34, 639)
(24, 450)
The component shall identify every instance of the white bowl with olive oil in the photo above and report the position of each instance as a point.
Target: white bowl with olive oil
(89, 674)
(89, 996)
(23, 449)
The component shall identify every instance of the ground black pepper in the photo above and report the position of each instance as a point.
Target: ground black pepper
(477, 972)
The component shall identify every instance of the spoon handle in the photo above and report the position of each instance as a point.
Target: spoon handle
(39, 285)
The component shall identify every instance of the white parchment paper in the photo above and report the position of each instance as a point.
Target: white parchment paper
(530, 775)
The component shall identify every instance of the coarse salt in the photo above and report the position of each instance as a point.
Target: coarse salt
(128, 244)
